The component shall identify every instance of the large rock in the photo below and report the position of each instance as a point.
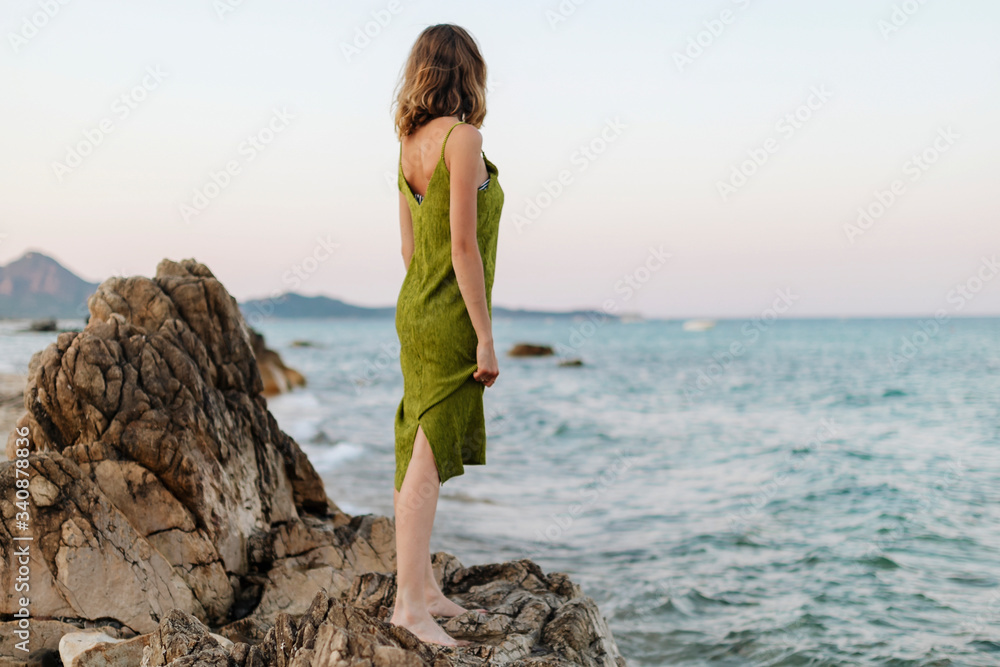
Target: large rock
(87, 560)
(154, 459)
(165, 501)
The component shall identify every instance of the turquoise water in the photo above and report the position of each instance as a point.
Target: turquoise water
(827, 495)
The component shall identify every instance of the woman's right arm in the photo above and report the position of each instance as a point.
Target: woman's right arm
(466, 150)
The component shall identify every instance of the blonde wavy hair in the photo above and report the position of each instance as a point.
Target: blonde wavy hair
(444, 75)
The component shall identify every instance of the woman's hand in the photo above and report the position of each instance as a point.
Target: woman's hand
(486, 359)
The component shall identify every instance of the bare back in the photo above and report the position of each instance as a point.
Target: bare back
(422, 153)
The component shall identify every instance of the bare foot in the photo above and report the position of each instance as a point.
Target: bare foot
(439, 605)
(426, 629)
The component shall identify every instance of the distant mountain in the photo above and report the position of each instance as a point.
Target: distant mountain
(292, 305)
(36, 286)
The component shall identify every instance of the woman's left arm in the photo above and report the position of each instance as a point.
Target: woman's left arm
(405, 229)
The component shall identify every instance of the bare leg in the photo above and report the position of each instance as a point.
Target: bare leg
(415, 505)
(437, 603)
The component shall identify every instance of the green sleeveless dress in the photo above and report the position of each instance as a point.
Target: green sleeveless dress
(437, 340)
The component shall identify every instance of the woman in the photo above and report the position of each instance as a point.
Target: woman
(449, 212)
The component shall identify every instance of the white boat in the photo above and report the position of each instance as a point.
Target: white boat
(698, 325)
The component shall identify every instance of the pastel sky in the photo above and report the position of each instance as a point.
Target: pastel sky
(711, 153)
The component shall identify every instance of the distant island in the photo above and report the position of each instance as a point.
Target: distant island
(37, 286)
(291, 305)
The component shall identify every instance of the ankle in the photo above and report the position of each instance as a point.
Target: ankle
(432, 594)
(410, 609)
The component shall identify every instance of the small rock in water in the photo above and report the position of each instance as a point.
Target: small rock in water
(530, 350)
(278, 378)
(47, 324)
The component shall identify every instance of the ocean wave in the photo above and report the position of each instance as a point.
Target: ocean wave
(326, 458)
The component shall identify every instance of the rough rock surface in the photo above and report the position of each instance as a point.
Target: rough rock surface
(535, 619)
(11, 403)
(166, 501)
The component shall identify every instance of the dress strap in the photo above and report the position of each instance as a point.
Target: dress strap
(443, 143)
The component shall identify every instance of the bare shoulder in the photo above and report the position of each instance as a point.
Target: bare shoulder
(465, 139)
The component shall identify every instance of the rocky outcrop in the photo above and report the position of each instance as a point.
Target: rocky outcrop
(529, 610)
(158, 462)
(166, 505)
(276, 376)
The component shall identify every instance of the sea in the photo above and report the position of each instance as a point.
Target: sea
(753, 493)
